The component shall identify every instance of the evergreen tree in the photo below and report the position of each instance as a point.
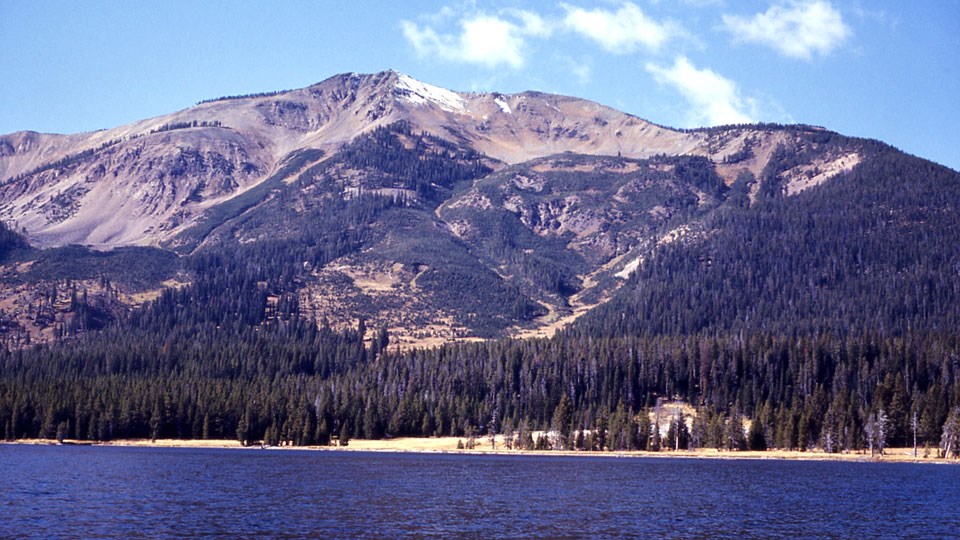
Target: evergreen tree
(561, 424)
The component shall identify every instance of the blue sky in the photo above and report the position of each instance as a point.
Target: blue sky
(888, 70)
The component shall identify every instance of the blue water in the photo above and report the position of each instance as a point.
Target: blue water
(88, 492)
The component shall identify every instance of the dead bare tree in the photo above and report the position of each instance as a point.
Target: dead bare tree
(950, 439)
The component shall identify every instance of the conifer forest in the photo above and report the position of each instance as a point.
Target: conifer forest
(824, 320)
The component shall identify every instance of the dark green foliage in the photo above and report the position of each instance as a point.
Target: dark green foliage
(186, 125)
(223, 382)
(553, 219)
(545, 263)
(698, 172)
(12, 244)
(562, 423)
(139, 268)
(244, 96)
(395, 157)
(817, 317)
(875, 249)
(145, 383)
(678, 436)
(220, 214)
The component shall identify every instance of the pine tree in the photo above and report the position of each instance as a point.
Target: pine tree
(733, 432)
(756, 438)
(562, 420)
(344, 439)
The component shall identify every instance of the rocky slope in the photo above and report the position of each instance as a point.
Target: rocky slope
(144, 182)
(432, 213)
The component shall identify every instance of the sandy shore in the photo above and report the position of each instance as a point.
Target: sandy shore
(449, 445)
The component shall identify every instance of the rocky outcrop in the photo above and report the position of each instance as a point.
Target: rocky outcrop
(145, 182)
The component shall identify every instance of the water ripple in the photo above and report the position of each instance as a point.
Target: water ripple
(146, 492)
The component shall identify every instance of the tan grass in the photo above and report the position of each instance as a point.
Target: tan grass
(483, 446)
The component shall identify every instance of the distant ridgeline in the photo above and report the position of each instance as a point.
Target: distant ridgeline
(827, 319)
(186, 125)
(244, 96)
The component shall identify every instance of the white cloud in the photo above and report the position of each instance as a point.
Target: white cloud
(579, 68)
(795, 29)
(485, 40)
(714, 99)
(533, 24)
(581, 71)
(623, 31)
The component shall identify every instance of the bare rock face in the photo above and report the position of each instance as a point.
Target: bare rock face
(490, 211)
(585, 218)
(132, 192)
(144, 182)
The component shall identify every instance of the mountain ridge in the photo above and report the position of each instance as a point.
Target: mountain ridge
(336, 261)
(435, 214)
(241, 141)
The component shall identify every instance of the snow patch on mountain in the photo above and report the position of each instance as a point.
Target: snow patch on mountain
(420, 93)
(503, 105)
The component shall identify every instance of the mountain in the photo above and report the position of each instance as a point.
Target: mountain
(143, 183)
(431, 213)
(264, 267)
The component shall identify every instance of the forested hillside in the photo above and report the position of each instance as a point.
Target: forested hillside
(876, 249)
(825, 319)
(289, 381)
(350, 260)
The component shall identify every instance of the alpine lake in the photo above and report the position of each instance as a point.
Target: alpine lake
(124, 492)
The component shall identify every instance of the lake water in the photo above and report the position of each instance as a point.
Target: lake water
(88, 492)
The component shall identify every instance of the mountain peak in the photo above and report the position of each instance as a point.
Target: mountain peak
(403, 87)
(404, 198)
(416, 92)
(66, 189)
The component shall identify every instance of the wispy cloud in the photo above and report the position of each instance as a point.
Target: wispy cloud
(487, 40)
(532, 24)
(580, 68)
(503, 38)
(701, 3)
(581, 71)
(795, 29)
(623, 31)
(714, 99)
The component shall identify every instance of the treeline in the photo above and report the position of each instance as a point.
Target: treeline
(185, 125)
(244, 96)
(290, 382)
(11, 242)
(825, 320)
(66, 161)
(191, 381)
(797, 393)
(394, 156)
(874, 249)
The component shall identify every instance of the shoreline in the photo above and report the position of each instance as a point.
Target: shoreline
(448, 445)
